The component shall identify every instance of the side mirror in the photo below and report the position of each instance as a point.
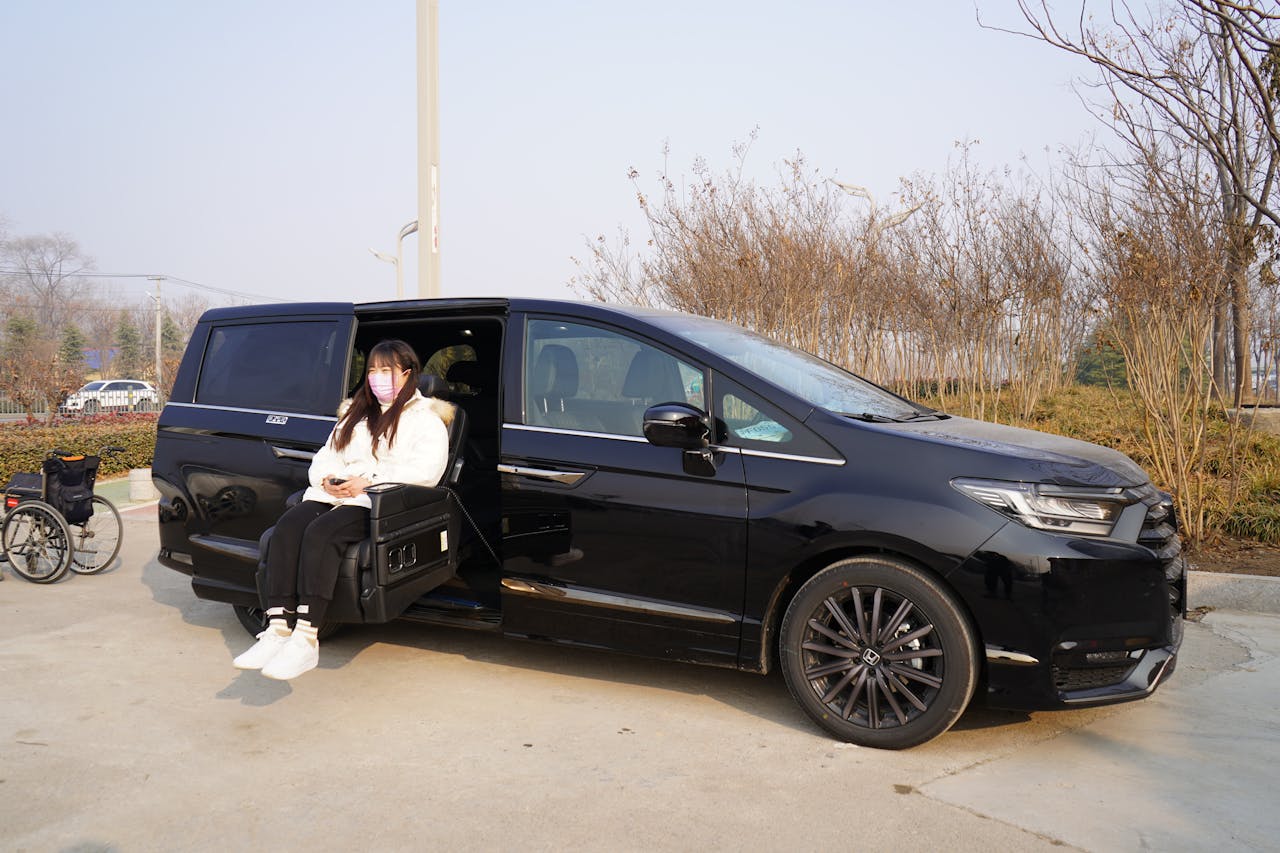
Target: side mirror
(677, 425)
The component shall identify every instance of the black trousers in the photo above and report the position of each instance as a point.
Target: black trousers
(306, 551)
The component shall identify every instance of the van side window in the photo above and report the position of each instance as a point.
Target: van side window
(745, 419)
(275, 367)
(586, 378)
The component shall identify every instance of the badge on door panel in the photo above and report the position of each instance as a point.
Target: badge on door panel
(277, 419)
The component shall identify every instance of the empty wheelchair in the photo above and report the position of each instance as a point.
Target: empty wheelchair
(54, 522)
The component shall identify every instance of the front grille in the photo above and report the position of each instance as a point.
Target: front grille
(1069, 679)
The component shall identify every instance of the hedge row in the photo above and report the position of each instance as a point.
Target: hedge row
(23, 445)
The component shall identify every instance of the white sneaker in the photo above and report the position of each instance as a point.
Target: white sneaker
(299, 655)
(269, 643)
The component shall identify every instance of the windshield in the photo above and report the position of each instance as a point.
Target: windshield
(92, 386)
(807, 376)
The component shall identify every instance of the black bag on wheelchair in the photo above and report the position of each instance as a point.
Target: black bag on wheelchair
(69, 485)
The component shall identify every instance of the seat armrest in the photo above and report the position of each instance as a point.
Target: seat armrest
(387, 499)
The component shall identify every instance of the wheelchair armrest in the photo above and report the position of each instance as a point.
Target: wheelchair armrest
(388, 499)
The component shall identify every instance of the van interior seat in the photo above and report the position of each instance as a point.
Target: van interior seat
(555, 378)
(358, 561)
(553, 391)
(652, 378)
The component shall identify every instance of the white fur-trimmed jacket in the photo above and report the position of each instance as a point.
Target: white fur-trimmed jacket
(418, 455)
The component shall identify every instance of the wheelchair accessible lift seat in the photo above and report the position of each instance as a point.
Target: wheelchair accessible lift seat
(414, 533)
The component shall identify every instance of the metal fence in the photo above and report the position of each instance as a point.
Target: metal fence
(8, 407)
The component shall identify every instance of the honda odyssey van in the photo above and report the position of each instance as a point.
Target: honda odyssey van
(668, 485)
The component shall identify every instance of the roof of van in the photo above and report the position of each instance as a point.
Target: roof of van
(440, 306)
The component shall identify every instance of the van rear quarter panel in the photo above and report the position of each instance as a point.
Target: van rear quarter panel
(223, 471)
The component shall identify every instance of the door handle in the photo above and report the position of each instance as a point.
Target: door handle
(292, 453)
(566, 477)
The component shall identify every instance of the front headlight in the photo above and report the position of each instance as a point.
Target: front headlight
(1065, 509)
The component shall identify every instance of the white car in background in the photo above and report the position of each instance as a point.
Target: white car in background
(113, 395)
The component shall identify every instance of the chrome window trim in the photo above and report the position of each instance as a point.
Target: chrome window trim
(718, 448)
(578, 432)
(817, 460)
(333, 418)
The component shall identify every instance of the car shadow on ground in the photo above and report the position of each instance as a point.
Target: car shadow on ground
(765, 697)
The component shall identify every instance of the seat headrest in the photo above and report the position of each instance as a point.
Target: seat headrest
(432, 386)
(467, 373)
(649, 376)
(555, 373)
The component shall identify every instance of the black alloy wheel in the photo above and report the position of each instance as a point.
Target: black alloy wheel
(91, 407)
(878, 653)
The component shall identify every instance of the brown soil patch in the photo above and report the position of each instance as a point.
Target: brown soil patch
(1238, 556)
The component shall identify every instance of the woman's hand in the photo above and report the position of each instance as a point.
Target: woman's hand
(350, 487)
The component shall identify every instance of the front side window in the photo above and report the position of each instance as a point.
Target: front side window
(745, 419)
(278, 367)
(592, 379)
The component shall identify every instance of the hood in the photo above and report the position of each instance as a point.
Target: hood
(1049, 458)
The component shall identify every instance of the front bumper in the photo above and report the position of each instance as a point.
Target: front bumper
(1072, 622)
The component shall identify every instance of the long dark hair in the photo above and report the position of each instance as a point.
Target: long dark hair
(365, 407)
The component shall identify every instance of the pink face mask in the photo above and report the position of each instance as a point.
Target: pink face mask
(383, 387)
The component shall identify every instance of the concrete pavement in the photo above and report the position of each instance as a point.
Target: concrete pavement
(124, 727)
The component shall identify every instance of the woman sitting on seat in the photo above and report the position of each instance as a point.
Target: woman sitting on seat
(386, 433)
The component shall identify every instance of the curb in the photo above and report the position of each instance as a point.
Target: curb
(1223, 591)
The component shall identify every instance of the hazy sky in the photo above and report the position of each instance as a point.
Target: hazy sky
(264, 146)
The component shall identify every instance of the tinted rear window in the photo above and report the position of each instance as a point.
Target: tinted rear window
(278, 367)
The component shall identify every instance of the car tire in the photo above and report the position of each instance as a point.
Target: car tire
(878, 652)
(91, 407)
(143, 406)
(254, 620)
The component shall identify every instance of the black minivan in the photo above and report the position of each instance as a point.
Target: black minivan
(668, 485)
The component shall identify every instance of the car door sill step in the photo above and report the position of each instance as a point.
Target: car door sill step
(484, 619)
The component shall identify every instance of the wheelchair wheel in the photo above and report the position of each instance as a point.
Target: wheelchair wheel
(36, 541)
(95, 543)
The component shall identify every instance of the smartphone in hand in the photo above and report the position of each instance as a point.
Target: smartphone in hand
(337, 481)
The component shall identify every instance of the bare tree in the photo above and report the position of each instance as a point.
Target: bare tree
(964, 292)
(1206, 74)
(1155, 255)
(31, 371)
(100, 321)
(45, 270)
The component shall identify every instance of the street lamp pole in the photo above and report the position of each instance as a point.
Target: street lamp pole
(159, 317)
(394, 260)
(398, 259)
(428, 13)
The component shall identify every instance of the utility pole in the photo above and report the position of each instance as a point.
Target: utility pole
(428, 149)
(159, 362)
